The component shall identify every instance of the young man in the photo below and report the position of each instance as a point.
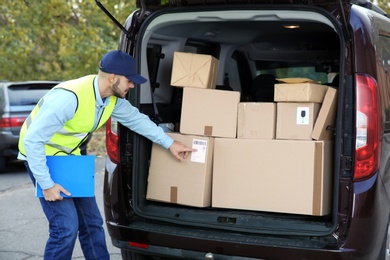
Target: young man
(60, 123)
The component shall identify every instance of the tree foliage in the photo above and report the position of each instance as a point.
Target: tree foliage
(60, 39)
(56, 39)
(385, 5)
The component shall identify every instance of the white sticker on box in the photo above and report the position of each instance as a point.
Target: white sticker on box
(201, 148)
(303, 117)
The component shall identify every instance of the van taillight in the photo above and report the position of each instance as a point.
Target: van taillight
(12, 121)
(139, 245)
(112, 146)
(368, 128)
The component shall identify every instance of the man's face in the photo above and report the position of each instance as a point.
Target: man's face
(121, 86)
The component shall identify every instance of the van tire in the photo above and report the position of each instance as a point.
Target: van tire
(129, 255)
(385, 250)
(3, 163)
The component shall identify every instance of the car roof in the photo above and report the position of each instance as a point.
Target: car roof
(30, 83)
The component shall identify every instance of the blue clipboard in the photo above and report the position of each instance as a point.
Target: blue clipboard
(76, 173)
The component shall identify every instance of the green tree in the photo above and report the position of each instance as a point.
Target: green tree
(385, 5)
(56, 39)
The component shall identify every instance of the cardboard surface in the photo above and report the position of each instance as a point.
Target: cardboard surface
(75, 173)
(209, 112)
(296, 120)
(187, 182)
(300, 92)
(194, 70)
(273, 175)
(256, 120)
(326, 117)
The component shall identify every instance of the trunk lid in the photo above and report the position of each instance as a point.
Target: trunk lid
(159, 4)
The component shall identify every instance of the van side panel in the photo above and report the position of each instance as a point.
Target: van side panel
(369, 219)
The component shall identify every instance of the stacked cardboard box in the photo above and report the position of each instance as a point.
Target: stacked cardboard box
(256, 120)
(298, 104)
(209, 112)
(194, 70)
(206, 113)
(325, 123)
(243, 166)
(185, 182)
(288, 175)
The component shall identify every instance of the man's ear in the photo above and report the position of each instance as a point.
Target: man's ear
(111, 78)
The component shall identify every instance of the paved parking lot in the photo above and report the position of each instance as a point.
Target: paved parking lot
(23, 226)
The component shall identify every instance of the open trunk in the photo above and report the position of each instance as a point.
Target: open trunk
(247, 41)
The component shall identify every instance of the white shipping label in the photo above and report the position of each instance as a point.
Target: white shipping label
(201, 149)
(303, 116)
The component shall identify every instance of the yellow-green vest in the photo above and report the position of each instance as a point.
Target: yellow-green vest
(77, 129)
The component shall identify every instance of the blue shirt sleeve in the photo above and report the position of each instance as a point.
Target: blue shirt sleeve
(140, 123)
(58, 107)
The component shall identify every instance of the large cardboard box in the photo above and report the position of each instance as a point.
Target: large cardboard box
(273, 175)
(325, 123)
(299, 90)
(209, 112)
(296, 120)
(256, 120)
(185, 182)
(194, 70)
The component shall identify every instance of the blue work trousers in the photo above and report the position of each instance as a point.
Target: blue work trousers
(67, 219)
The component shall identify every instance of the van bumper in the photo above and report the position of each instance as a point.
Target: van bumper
(219, 245)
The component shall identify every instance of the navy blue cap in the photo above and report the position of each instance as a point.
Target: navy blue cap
(120, 63)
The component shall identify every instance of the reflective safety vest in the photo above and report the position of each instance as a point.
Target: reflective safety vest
(76, 130)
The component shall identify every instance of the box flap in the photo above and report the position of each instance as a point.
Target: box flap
(300, 92)
(326, 117)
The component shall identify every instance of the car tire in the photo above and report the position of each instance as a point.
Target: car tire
(385, 250)
(3, 163)
(128, 255)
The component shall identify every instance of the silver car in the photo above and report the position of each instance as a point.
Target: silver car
(17, 99)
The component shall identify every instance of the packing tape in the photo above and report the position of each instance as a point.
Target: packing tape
(317, 180)
(208, 130)
(173, 194)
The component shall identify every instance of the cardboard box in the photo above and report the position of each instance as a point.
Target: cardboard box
(256, 120)
(194, 70)
(299, 90)
(326, 117)
(283, 176)
(209, 112)
(185, 182)
(296, 120)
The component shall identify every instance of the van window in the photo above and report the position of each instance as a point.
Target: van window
(290, 70)
(232, 76)
(383, 78)
(153, 56)
(202, 48)
(298, 72)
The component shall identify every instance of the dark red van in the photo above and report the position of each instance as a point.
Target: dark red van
(344, 45)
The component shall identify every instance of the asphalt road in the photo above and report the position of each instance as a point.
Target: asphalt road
(23, 226)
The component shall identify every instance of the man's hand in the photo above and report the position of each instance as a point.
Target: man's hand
(180, 151)
(53, 193)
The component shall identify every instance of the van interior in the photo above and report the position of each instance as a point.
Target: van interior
(252, 46)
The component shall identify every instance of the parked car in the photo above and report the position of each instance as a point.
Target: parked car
(344, 44)
(17, 99)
